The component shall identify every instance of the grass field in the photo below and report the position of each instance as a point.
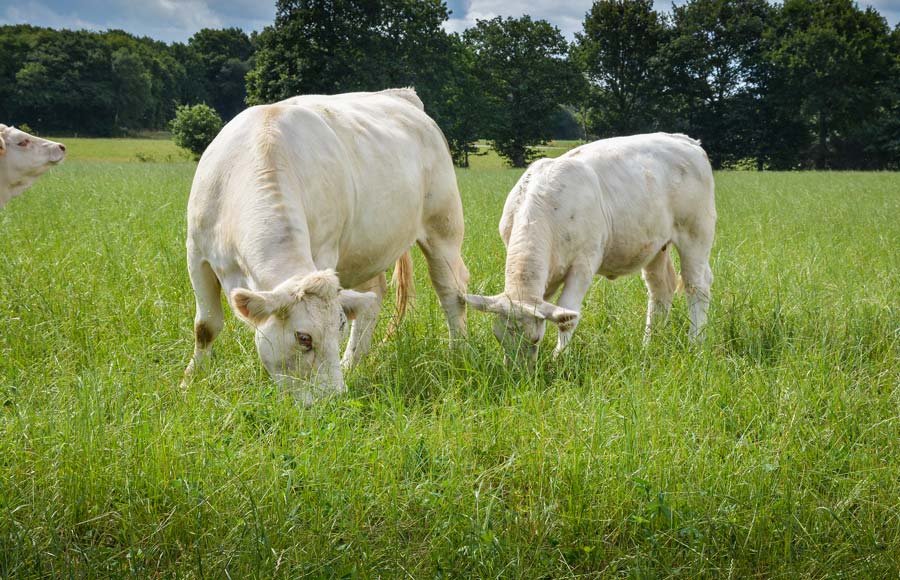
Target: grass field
(772, 451)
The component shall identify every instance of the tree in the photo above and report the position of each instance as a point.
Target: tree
(460, 107)
(526, 77)
(882, 133)
(838, 62)
(224, 56)
(65, 83)
(132, 85)
(93, 83)
(618, 50)
(195, 127)
(332, 46)
(713, 62)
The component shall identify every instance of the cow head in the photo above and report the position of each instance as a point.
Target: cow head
(519, 326)
(26, 156)
(299, 327)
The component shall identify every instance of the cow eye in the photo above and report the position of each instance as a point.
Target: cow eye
(24, 143)
(304, 340)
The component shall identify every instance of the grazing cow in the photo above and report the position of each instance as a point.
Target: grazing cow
(292, 202)
(611, 207)
(23, 158)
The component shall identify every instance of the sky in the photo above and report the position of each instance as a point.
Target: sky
(178, 20)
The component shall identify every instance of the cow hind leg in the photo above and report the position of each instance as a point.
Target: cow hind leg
(661, 281)
(209, 318)
(697, 278)
(363, 326)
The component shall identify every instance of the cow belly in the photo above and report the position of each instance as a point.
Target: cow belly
(355, 269)
(626, 254)
(378, 238)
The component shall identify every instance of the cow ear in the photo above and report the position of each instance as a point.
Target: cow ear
(253, 307)
(354, 302)
(562, 317)
(494, 304)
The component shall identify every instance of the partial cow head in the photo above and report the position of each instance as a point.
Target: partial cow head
(23, 158)
(299, 327)
(27, 155)
(520, 326)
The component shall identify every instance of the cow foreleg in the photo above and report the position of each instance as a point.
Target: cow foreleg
(450, 278)
(363, 326)
(578, 281)
(209, 318)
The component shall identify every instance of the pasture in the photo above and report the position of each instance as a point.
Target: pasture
(771, 451)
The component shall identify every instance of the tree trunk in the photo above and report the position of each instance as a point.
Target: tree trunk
(822, 153)
(518, 157)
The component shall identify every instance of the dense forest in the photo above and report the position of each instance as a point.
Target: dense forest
(799, 84)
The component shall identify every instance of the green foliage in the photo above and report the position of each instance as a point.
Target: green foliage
(804, 84)
(839, 61)
(713, 59)
(619, 53)
(525, 76)
(132, 85)
(112, 82)
(771, 451)
(325, 46)
(194, 127)
(225, 57)
(461, 107)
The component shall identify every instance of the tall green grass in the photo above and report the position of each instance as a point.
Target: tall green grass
(771, 451)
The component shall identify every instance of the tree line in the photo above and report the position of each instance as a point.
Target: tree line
(110, 83)
(800, 84)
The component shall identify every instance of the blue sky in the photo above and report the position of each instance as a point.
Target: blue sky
(177, 20)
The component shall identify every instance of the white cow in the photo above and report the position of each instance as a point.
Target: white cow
(611, 207)
(23, 158)
(294, 201)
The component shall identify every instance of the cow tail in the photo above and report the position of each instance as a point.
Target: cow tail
(404, 285)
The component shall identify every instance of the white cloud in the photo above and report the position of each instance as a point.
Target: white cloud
(566, 15)
(890, 9)
(178, 20)
(168, 20)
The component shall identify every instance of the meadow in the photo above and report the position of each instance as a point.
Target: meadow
(772, 450)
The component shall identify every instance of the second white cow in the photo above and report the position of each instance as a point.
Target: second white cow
(295, 204)
(611, 207)
(23, 158)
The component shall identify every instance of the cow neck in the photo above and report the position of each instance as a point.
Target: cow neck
(281, 238)
(528, 257)
(5, 185)
(268, 277)
(8, 188)
(287, 256)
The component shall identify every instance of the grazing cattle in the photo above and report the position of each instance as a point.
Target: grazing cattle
(610, 207)
(296, 201)
(23, 158)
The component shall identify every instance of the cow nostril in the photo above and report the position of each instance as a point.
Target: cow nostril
(62, 147)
